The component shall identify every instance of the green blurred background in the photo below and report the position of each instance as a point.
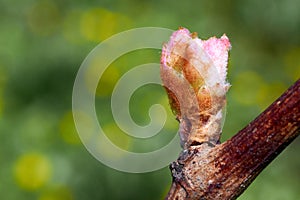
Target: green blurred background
(42, 44)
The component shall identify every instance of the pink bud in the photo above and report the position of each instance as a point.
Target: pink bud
(194, 73)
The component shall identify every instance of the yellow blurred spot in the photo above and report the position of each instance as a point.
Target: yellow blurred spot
(268, 93)
(1, 104)
(116, 136)
(44, 18)
(292, 63)
(86, 125)
(68, 130)
(71, 27)
(98, 24)
(250, 89)
(32, 171)
(60, 193)
(112, 145)
(2, 82)
(246, 88)
(108, 81)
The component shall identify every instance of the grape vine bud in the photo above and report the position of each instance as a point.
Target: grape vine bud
(194, 72)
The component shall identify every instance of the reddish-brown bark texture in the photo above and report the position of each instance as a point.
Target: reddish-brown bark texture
(224, 171)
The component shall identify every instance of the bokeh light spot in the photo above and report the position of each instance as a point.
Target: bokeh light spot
(292, 63)
(87, 122)
(116, 136)
(98, 24)
(44, 18)
(58, 193)
(249, 88)
(246, 87)
(32, 171)
(71, 27)
(2, 82)
(68, 130)
(107, 82)
(268, 93)
(1, 104)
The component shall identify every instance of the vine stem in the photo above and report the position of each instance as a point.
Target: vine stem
(225, 170)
